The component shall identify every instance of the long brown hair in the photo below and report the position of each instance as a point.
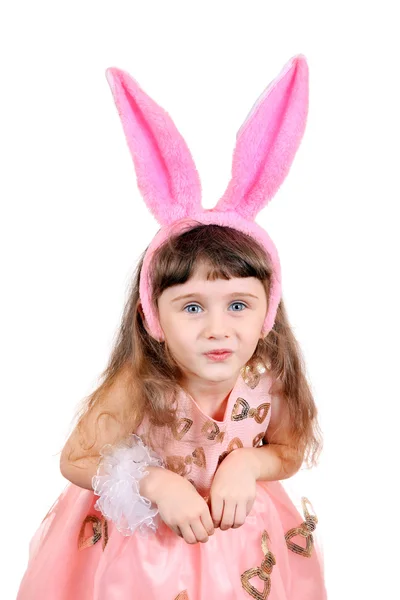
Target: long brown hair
(154, 374)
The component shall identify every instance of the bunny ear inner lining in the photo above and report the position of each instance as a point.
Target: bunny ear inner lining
(165, 170)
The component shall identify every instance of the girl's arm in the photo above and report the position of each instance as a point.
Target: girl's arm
(278, 459)
(233, 490)
(115, 401)
(179, 504)
(81, 473)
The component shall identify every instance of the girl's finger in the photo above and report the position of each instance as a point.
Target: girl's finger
(187, 534)
(217, 506)
(228, 515)
(199, 531)
(177, 530)
(207, 521)
(240, 515)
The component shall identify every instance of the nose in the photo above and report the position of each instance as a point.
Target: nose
(216, 325)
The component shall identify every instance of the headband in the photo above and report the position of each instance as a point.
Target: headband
(168, 180)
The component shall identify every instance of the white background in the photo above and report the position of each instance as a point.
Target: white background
(74, 223)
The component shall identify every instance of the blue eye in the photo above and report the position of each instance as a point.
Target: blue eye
(242, 303)
(197, 306)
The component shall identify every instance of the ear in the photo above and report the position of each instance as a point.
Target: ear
(165, 170)
(267, 141)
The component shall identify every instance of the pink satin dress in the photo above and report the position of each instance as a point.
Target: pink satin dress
(77, 554)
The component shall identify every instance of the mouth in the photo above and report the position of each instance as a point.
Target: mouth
(218, 354)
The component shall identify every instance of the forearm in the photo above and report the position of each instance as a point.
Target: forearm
(156, 478)
(272, 462)
(82, 472)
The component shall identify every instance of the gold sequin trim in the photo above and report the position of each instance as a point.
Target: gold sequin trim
(234, 444)
(212, 432)
(242, 410)
(180, 464)
(252, 375)
(181, 427)
(182, 596)
(100, 531)
(177, 465)
(305, 530)
(263, 572)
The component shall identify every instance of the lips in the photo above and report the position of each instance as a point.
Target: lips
(218, 355)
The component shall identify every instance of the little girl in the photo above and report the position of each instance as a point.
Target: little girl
(175, 461)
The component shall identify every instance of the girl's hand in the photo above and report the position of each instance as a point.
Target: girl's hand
(180, 505)
(233, 489)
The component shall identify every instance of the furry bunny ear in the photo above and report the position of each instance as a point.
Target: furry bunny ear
(268, 141)
(166, 174)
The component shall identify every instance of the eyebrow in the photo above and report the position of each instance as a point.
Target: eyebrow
(199, 295)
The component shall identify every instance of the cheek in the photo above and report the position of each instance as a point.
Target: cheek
(251, 333)
(179, 338)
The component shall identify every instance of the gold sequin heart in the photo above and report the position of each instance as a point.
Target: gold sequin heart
(233, 445)
(252, 375)
(307, 551)
(212, 431)
(250, 589)
(182, 596)
(181, 464)
(305, 531)
(258, 438)
(259, 413)
(263, 572)
(177, 465)
(198, 458)
(181, 427)
(241, 410)
(99, 530)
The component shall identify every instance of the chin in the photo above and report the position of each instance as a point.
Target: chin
(219, 372)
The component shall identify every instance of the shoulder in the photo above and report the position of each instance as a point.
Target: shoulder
(103, 417)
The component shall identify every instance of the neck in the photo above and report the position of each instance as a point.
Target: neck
(211, 396)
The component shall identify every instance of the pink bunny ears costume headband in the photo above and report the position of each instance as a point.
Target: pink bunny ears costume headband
(265, 148)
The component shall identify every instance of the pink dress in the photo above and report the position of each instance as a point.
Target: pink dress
(76, 554)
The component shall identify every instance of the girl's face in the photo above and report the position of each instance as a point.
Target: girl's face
(212, 315)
